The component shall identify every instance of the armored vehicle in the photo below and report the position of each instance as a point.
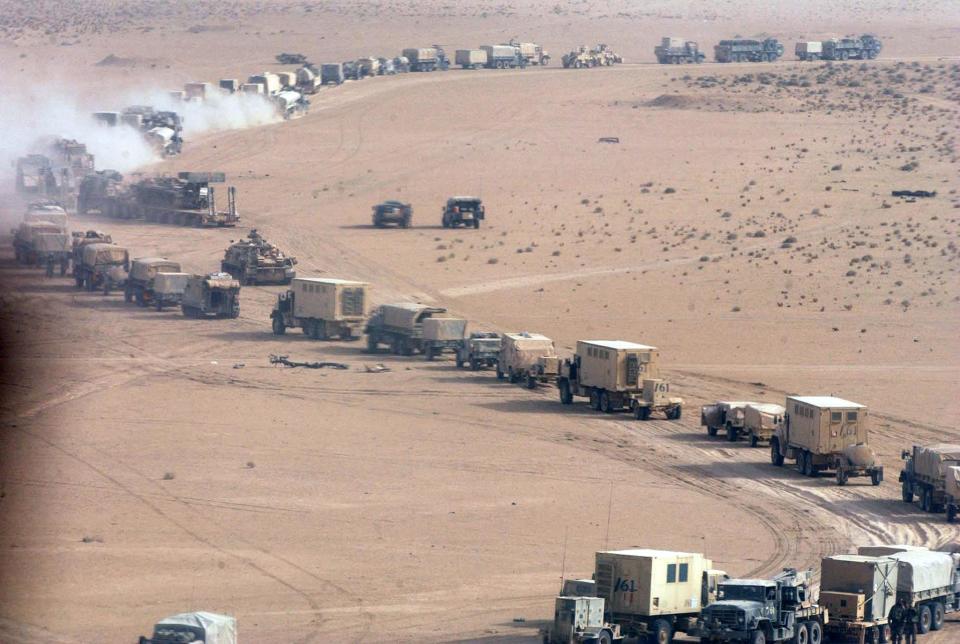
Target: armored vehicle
(724, 416)
(520, 356)
(759, 611)
(470, 58)
(809, 50)
(199, 627)
(617, 375)
(143, 272)
(291, 59)
(747, 51)
(480, 350)
(924, 474)
(580, 620)
(31, 242)
(654, 594)
(760, 420)
(214, 294)
(857, 592)
(102, 266)
(466, 211)
(255, 261)
(825, 433)
(168, 289)
(331, 74)
(677, 50)
(324, 308)
(866, 47)
(400, 326)
(392, 212)
(531, 52)
(503, 56)
(442, 333)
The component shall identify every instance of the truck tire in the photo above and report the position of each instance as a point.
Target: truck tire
(604, 637)
(776, 458)
(279, 328)
(662, 632)
(754, 440)
(925, 619)
(926, 500)
(594, 400)
(513, 376)
(885, 633)
(841, 476)
(801, 634)
(371, 344)
(871, 636)
(606, 405)
(158, 304)
(566, 397)
(674, 413)
(127, 295)
(474, 365)
(757, 637)
(816, 632)
(531, 381)
(476, 223)
(801, 463)
(459, 360)
(731, 434)
(876, 476)
(951, 513)
(428, 352)
(139, 298)
(641, 412)
(906, 493)
(500, 375)
(712, 431)
(405, 222)
(936, 617)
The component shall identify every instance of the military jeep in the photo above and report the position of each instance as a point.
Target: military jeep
(463, 211)
(392, 212)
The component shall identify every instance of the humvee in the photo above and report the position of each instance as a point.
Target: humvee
(392, 212)
(463, 211)
(480, 350)
(216, 293)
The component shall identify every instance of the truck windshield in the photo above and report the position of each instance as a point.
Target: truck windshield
(751, 593)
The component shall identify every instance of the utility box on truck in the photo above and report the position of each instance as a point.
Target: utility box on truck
(323, 307)
(825, 433)
(655, 591)
(858, 592)
(520, 353)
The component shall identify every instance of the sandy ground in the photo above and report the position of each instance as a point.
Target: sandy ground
(744, 225)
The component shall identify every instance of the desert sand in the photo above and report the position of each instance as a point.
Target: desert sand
(743, 224)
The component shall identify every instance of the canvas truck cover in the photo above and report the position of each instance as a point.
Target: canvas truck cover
(921, 570)
(329, 299)
(933, 460)
(52, 242)
(650, 582)
(521, 350)
(53, 215)
(30, 229)
(887, 550)
(220, 280)
(407, 315)
(951, 483)
(214, 628)
(146, 268)
(94, 254)
(499, 51)
(873, 577)
(443, 328)
(170, 283)
(420, 55)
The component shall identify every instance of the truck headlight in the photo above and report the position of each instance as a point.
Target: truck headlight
(741, 619)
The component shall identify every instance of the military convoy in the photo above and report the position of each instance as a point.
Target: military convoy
(143, 275)
(323, 307)
(741, 50)
(254, 260)
(214, 294)
(617, 375)
(392, 212)
(674, 51)
(931, 473)
(825, 433)
(463, 211)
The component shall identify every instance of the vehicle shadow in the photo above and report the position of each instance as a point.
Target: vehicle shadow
(540, 405)
(50, 286)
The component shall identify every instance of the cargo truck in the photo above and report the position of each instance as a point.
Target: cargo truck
(727, 416)
(168, 289)
(674, 51)
(858, 592)
(101, 266)
(743, 50)
(201, 627)
(143, 273)
(523, 355)
(930, 582)
(323, 307)
(400, 326)
(760, 420)
(924, 474)
(809, 50)
(470, 58)
(480, 350)
(951, 493)
(763, 610)
(503, 57)
(866, 47)
(655, 593)
(825, 433)
(426, 59)
(27, 240)
(441, 333)
(531, 52)
(615, 375)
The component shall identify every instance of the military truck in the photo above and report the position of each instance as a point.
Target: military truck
(331, 74)
(825, 433)
(27, 240)
(256, 261)
(400, 326)
(52, 250)
(857, 592)
(655, 594)
(392, 212)
(760, 420)
(470, 58)
(481, 349)
(808, 50)
(35, 175)
(727, 416)
(401, 64)
(599, 56)
(763, 610)
(616, 375)
(201, 627)
(951, 493)
(503, 57)
(531, 52)
(924, 473)
(441, 333)
(426, 59)
(143, 272)
(520, 356)
(49, 211)
(188, 199)
(742, 50)
(102, 266)
(212, 294)
(168, 289)
(465, 211)
(929, 582)
(866, 47)
(674, 51)
(580, 620)
(323, 307)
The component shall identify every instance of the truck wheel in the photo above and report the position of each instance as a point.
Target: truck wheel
(926, 618)
(428, 352)
(926, 500)
(712, 431)
(675, 413)
(603, 637)
(802, 634)
(662, 632)
(459, 360)
(279, 328)
(754, 440)
(802, 463)
(906, 493)
(758, 638)
(594, 400)
(816, 632)
(841, 476)
(936, 621)
(875, 477)
(776, 457)
(476, 224)
(565, 396)
(78, 281)
(731, 433)
(951, 513)
(499, 373)
(139, 298)
(474, 365)
(606, 406)
(513, 376)
(641, 412)
(371, 344)
(127, 295)
(871, 636)
(531, 381)
(405, 223)
(158, 304)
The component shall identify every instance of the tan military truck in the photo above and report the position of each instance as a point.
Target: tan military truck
(168, 289)
(924, 474)
(46, 211)
(724, 415)
(951, 492)
(825, 433)
(614, 375)
(858, 593)
(400, 326)
(655, 593)
(520, 356)
(760, 420)
(53, 249)
(215, 294)
(102, 266)
(25, 240)
(441, 333)
(323, 307)
(143, 272)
